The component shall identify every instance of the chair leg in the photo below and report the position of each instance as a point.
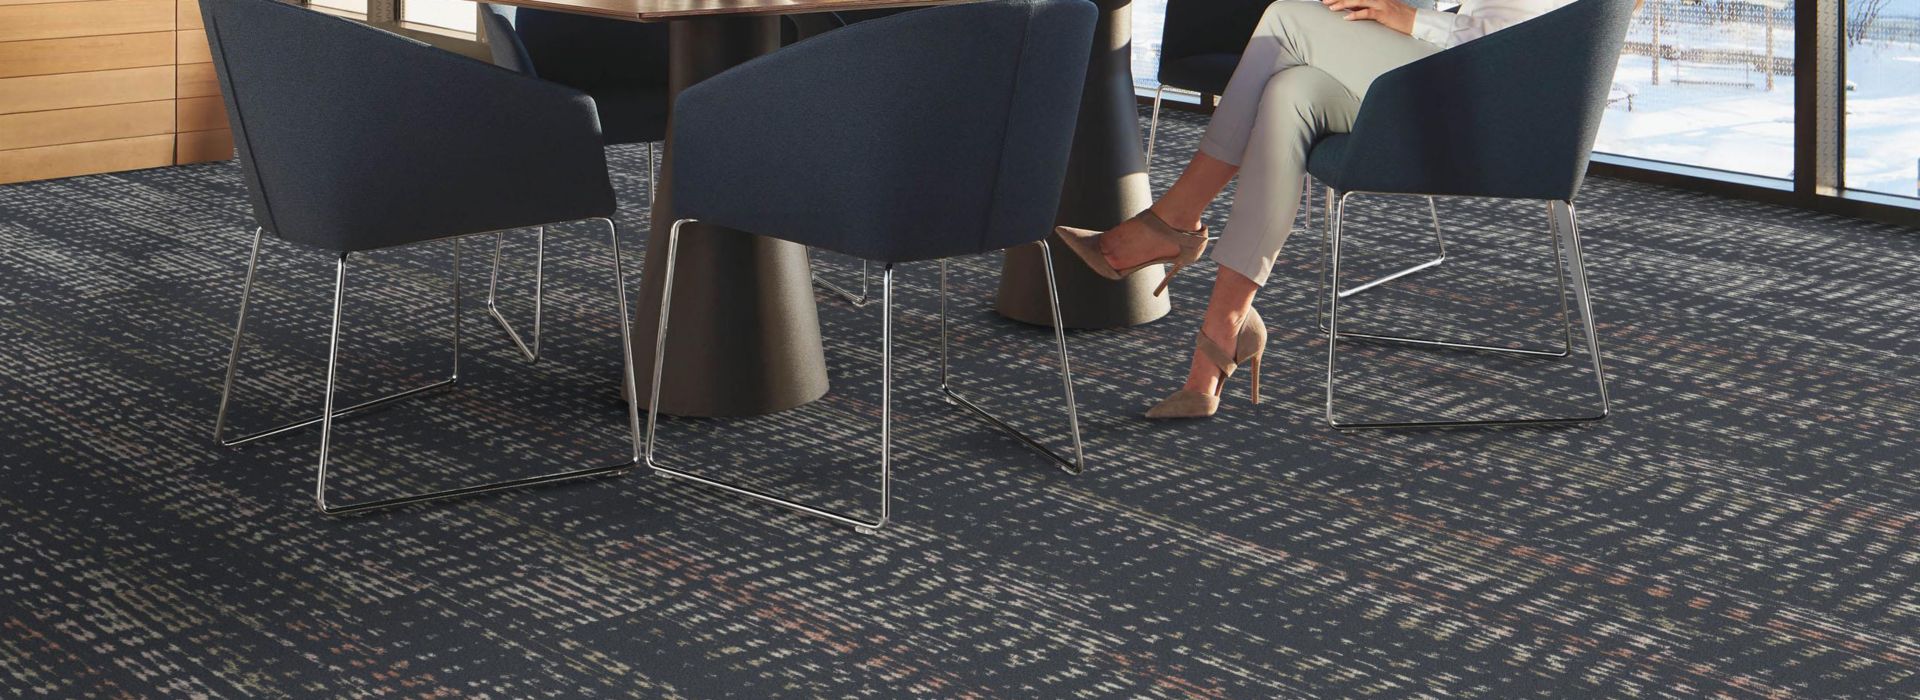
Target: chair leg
(1563, 223)
(1078, 463)
(532, 353)
(1440, 242)
(1570, 227)
(1566, 317)
(233, 362)
(1153, 127)
(886, 406)
(858, 301)
(327, 414)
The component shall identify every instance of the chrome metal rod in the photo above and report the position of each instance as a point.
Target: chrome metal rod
(1584, 295)
(355, 409)
(333, 365)
(858, 301)
(453, 376)
(239, 329)
(1334, 220)
(886, 401)
(1397, 275)
(1153, 127)
(660, 341)
(626, 342)
(1078, 463)
(1560, 274)
(1468, 347)
(529, 351)
(478, 489)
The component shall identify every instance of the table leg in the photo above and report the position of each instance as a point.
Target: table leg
(745, 335)
(1106, 184)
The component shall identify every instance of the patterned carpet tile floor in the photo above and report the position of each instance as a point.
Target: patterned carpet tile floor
(1747, 524)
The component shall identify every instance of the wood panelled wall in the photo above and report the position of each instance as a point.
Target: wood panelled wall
(91, 86)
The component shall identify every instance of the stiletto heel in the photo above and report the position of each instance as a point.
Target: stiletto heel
(1250, 342)
(1254, 367)
(1086, 244)
(1164, 281)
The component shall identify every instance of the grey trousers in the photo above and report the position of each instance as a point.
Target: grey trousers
(1302, 76)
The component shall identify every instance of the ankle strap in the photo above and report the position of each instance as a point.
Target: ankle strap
(1155, 221)
(1222, 359)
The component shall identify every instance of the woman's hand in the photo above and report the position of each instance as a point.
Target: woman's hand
(1393, 14)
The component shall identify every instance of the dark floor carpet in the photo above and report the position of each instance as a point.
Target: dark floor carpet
(1746, 525)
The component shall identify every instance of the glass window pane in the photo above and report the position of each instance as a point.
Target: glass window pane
(1148, 15)
(1706, 83)
(458, 15)
(358, 7)
(1883, 96)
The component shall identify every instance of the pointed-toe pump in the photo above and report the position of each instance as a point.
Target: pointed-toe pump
(1086, 244)
(1249, 344)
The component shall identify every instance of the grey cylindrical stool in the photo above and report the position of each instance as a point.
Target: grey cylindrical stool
(1106, 184)
(745, 336)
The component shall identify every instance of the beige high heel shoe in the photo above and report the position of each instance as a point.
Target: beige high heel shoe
(1086, 244)
(1250, 342)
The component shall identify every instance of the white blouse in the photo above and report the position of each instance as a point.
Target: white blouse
(1477, 18)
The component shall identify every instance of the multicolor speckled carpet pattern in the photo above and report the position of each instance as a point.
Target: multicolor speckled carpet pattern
(1747, 524)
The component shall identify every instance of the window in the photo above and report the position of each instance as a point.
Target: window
(457, 15)
(1148, 15)
(1706, 83)
(349, 7)
(1882, 96)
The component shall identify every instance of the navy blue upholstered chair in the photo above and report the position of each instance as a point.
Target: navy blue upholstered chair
(923, 136)
(622, 65)
(1200, 45)
(1510, 116)
(352, 139)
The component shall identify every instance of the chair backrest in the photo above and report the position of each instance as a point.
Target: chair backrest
(1200, 27)
(503, 39)
(1512, 114)
(351, 138)
(589, 53)
(923, 135)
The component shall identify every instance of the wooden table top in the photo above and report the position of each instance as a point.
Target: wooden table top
(662, 10)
